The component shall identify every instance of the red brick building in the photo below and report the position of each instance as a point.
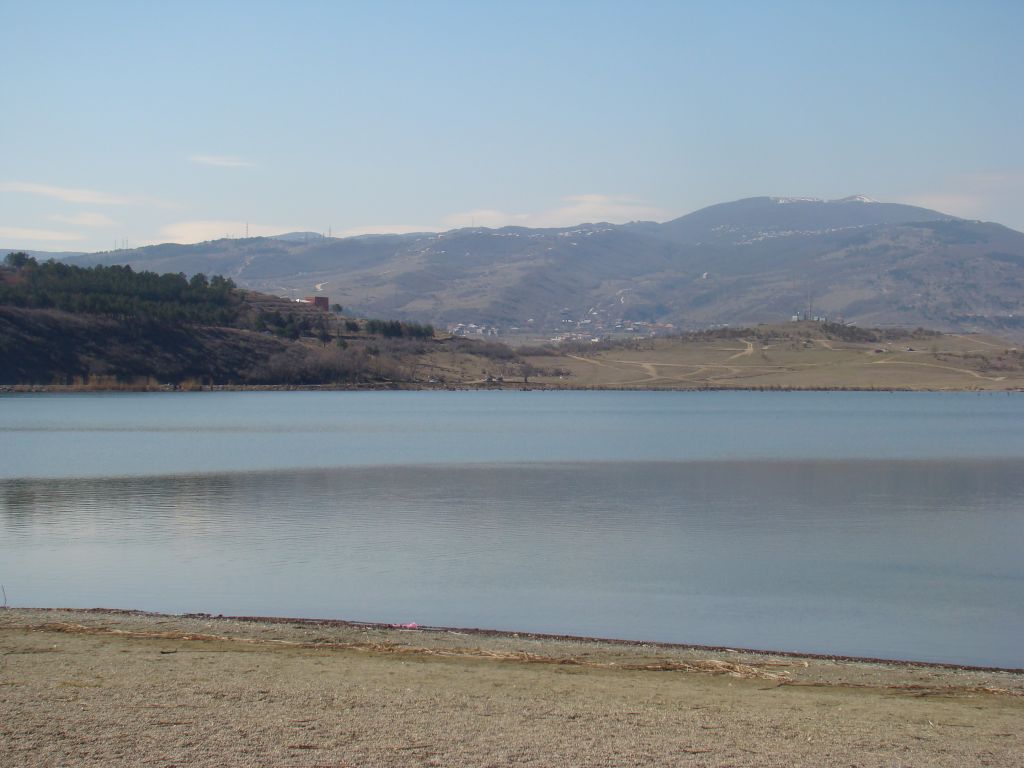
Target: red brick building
(320, 302)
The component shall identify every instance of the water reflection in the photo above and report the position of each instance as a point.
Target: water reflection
(902, 559)
(186, 433)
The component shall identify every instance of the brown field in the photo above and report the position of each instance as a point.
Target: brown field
(777, 358)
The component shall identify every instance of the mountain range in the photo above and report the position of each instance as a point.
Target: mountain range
(761, 259)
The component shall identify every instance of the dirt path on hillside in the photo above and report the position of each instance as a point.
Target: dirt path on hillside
(745, 353)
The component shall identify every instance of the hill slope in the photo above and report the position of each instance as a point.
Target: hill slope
(108, 327)
(749, 261)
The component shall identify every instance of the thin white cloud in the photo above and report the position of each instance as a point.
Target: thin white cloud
(966, 206)
(978, 195)
(81, 195)
(221, 161)
(485, 217)
(385, 229)
(613, 209)
(86, 219)
(214, 229)
(67, 194)
(576, 209)
(20, 233)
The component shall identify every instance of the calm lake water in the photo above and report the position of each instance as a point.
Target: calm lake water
(887, 525)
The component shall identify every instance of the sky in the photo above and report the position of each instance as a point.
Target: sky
(128, 123)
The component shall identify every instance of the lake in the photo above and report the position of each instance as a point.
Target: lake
(872, 524)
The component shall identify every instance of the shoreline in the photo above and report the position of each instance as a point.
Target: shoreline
(120, 688)
(507, 387)
(484, 632)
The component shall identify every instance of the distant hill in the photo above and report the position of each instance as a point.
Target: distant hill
(43, 255)
(743, 220)
(298, 237)
(110, 327)
(761, 259)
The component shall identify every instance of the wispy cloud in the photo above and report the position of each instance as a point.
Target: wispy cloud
(221, 161)
(485, 217)
(964, 205)
(611, 208)
(576, 209)
(86, 219)
(977, 195)
(214, 229)
(385, 229)
(67, 194)
(20, 233)
(81, 195)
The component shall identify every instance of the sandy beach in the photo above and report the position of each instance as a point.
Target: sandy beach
(119, 688)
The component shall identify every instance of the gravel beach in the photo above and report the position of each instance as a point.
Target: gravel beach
(110, 688)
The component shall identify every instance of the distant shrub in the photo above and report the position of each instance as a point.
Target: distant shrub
(850, 333)
(395, 329)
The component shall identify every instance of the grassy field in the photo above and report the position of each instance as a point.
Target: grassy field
(794, 356)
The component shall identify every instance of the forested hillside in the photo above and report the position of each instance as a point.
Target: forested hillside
(118, 292)
(109, 326)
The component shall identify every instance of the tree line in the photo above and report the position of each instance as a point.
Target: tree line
(119, 292)
(395, 329)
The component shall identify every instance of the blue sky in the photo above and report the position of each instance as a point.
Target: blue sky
(155, 122)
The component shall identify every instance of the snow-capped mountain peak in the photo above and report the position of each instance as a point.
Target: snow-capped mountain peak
(850, 199)
(855, 199)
